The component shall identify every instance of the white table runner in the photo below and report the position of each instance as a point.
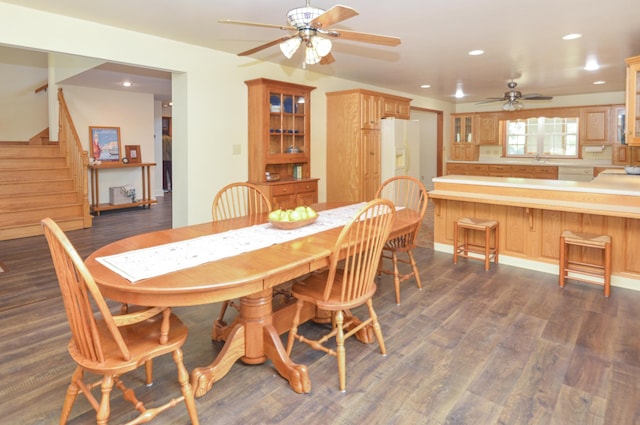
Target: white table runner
(158, 260)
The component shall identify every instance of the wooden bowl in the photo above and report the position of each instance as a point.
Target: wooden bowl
(288, 225)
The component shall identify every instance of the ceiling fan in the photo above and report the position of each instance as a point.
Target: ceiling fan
(310, 27)
(514, 98)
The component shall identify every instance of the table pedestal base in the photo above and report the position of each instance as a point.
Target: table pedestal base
(254, 340)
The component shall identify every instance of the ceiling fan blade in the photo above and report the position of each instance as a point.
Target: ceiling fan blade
(383, 40)
(492, 99)
(332, 16)
(266, 45)
(536, 97)
(255, 24)
(327, 59)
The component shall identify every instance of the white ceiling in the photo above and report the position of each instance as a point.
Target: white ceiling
(521, 39)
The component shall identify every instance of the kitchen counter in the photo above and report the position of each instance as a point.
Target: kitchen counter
(544, 162)
(533, 213)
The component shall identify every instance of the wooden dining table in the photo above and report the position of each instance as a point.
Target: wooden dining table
(254, 336)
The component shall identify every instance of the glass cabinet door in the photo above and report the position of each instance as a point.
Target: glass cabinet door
(633, 101)
(287, 125)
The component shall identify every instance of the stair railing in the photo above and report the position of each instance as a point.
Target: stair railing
(77, 158)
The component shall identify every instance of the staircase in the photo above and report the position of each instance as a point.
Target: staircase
(36, 182)
(39, 179)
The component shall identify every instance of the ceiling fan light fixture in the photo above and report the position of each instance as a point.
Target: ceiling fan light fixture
(311, 57)
(301, 16)
(289, 47)
(321, 45)
(511, 106)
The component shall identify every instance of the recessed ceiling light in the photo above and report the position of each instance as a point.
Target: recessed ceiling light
(476, 52)
(571, 36)
(599, 82)
(127, 84)
(425, 86)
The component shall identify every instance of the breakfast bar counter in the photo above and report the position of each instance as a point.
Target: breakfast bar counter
(533, 213)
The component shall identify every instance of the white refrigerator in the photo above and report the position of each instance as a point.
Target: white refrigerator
(400, 148)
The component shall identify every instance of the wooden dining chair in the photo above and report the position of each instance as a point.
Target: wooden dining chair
(239, 200)
(232, 201)
(404, 192)
(112, 345)
(347, 283)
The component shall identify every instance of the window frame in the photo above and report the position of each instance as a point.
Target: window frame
(564, 114)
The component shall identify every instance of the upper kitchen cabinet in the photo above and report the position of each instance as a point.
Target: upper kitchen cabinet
(279, 141)
(395, 106)
(487, 128)
(633, 101)
(463, 147)
(370, 106)
(594, 125)
(620, 154)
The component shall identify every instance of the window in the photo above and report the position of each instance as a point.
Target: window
(542, 136)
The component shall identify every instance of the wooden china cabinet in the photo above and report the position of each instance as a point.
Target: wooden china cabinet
(279, 142)
(463, 146)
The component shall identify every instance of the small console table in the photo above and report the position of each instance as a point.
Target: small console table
(146, 200)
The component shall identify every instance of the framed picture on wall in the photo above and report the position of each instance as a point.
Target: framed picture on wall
(132, 153)
(105, 143)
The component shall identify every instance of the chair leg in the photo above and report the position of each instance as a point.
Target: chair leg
(103, 411)
(455, 242)
(294, 326)
(340, 352)
(562, 262)
(487, 248)
(376, 328)
(396, 276)
(148, 368)
(607, 269)
(414, 266)
(185, 386)
(72, 394)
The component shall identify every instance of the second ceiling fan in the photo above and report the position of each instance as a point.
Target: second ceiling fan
(310, 28)
(513, 98)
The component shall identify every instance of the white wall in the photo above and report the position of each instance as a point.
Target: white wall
(132, 112)
(23, 113)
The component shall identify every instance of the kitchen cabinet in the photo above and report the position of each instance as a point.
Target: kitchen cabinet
(549, 172)
(594, 126)
(279, 141)
(619, 154)
(633, 101)
(353, 144)
(370, 110)
(463, 147)
(487, 129)
(394, 106)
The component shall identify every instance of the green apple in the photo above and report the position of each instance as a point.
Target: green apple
(296, 215)
(275, 215)
(311, 213)
(302, 210)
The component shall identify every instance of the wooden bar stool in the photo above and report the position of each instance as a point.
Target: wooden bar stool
(580, 270)
(464, 249)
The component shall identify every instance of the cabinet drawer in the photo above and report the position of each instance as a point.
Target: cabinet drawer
(292, 188)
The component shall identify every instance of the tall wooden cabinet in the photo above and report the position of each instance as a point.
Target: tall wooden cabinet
(463, 145)
(633, 101)
(353, 141)
(279, 141)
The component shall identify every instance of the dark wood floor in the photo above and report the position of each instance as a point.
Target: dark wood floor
(473, 347)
